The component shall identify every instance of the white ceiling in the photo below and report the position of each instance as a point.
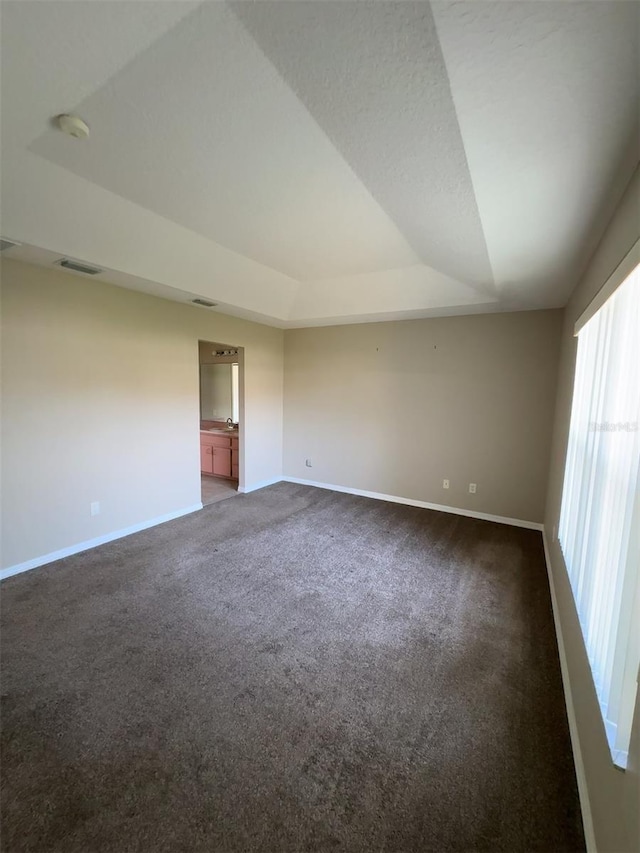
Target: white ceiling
(317, 162)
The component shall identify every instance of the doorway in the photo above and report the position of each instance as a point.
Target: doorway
(221, 382)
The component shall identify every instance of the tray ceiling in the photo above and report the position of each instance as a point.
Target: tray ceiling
(316, 162)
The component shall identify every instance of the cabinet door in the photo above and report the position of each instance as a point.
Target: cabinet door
(221, 462)
(206, 459)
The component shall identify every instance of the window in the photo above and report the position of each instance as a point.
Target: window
(600, 516)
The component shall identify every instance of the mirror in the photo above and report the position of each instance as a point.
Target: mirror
(219, 393)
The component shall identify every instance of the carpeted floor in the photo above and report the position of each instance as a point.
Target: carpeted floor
(291, 670)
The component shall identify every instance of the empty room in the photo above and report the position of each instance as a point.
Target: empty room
(320, 445)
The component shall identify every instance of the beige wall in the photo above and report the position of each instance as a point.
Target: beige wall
(395, 408)
(614, 796)
(100, 402)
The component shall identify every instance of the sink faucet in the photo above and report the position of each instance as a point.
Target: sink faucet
(229, 423)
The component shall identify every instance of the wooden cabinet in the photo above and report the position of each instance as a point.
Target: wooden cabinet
(219, 455)
(206, 458)
(222, 461)
(235, 459)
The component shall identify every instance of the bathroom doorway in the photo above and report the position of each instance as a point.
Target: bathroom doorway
(221, 382)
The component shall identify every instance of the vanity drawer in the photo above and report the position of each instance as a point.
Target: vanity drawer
(221, 441)
(216, 440)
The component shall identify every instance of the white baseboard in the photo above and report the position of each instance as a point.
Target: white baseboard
(93, 543)
(500, 519)
(583, 790)
(244, 490)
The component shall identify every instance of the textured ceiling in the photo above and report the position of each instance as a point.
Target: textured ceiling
(373, 77)
(312, 162)
(225, 148)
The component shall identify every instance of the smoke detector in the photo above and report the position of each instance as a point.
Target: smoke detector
(73, 126)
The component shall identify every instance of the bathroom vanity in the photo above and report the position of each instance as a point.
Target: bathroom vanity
(220, 452)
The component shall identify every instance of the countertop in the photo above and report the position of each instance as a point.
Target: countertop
(220, 431)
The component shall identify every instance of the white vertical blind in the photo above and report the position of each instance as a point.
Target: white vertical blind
(600, 515)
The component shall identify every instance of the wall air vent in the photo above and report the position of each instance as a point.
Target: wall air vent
(204, 302)
(7, 244)
(66, 264)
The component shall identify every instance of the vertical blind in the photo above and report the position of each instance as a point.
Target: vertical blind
(600, 515)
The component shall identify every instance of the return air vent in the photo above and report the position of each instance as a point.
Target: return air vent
(66, 264)
(7, 244)
(204, 302)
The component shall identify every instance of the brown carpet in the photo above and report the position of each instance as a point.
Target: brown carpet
(291, 670)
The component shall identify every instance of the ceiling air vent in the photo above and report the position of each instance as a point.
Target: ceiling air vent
(204, 302)
(66, 264)
(7, 244)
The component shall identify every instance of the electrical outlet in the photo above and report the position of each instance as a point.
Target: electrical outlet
(95, 508)
(445, 484)
(472, 488)
(307, 462)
